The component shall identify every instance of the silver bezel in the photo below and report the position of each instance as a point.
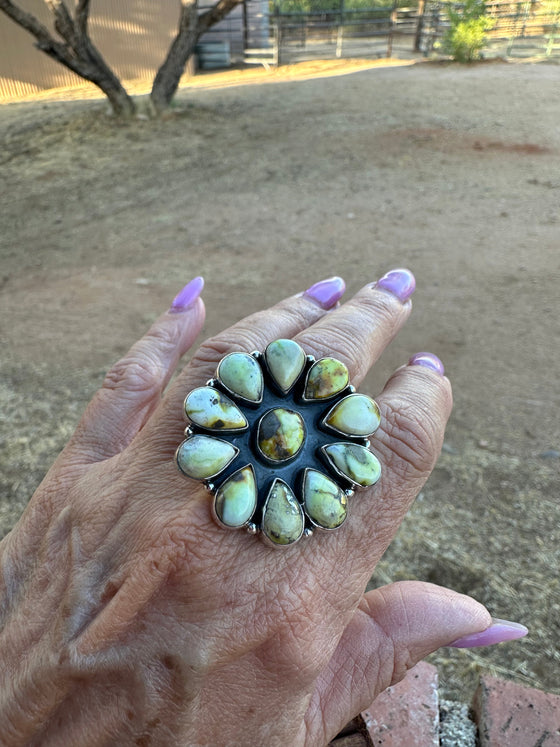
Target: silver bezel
(286, 390)
(279, 462)
(332, 429)
(335, 394)
(206, 428)
(314, 523)
(236, 395)
(263, 536)
(215, 474)
(214, 491)
(337, 469)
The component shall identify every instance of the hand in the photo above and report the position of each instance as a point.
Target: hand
(127, 616)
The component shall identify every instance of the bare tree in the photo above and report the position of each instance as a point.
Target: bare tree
(74, 48)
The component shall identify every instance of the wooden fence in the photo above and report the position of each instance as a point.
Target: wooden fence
(521, 29)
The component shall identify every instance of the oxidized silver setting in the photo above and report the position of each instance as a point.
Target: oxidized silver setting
(280, 440)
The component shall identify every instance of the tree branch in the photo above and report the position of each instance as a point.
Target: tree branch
(45, 41)
(82, 16)
(63, 22)
(78, 54)
(216, 13)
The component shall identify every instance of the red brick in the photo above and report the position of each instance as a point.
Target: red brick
(509, 715)
(407, 714)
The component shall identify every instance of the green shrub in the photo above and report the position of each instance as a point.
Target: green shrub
(466, 37)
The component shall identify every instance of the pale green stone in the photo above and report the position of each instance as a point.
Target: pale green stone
(355, 415)
(236, 498)
(241, 374)
(324, 502)
(283, 521)
(281, 434)
(285, 360)
(203, 457)
(355, 462)
(211, 409)
(326, 378)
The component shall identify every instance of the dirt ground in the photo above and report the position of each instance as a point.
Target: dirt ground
(264, 189)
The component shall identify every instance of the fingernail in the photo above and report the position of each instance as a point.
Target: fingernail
(428, 360)
(400, 283)
(498, 632)
(187, 296)
(327, 293)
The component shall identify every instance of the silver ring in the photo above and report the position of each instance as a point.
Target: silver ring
(281, 441)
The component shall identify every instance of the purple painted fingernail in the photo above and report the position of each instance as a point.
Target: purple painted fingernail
(429, 360)
(498, 632)
(400, 283)
(326, 293)
(187, 296)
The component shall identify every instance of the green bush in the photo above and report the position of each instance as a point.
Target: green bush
(466, 37)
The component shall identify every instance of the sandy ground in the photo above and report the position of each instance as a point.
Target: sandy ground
(266, 188)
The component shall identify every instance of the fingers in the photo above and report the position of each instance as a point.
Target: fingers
(415, 406)
(133, 386)
(284, 320)
(360, 330)
(392, 630)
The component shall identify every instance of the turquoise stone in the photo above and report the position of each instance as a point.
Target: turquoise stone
(326, 378)
(285, 360)
(324, 502)
(355, 415)
(211, 409)
(283, 520)
(236, 498)
(280, 434)
(203, 457)
(241, 375)
(355, 462)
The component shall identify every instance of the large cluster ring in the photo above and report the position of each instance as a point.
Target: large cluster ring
(281, 441)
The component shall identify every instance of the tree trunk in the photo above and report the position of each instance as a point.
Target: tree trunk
(169, 74)
(191, 27)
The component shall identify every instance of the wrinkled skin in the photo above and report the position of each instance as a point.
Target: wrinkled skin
(127, 617)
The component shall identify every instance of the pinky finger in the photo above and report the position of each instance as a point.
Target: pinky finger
(133, 386)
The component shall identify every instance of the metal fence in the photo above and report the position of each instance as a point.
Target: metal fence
(521, 29)
(134, 36)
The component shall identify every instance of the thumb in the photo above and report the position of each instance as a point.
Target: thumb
(393, 628)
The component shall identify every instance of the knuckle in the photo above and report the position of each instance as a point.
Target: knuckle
(212, 350)
(414, 439)
(140, 373)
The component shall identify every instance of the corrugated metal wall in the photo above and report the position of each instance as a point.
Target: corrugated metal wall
(132, 35)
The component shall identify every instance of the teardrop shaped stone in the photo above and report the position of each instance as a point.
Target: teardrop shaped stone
(241, 374)
(283, 521)
(354, 415)
(355, 462)
(236, 498)
(285, 360)
(203, 457)
(326, 378)
(325, 503)
(211, 409)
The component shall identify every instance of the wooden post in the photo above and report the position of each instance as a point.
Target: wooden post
(419, 25)
(245, 27)
(277, 39)
(391, 29)
(340, 30)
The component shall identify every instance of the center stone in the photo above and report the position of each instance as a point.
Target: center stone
(280, 434)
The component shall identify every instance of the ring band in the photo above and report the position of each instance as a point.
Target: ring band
(281, 441)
